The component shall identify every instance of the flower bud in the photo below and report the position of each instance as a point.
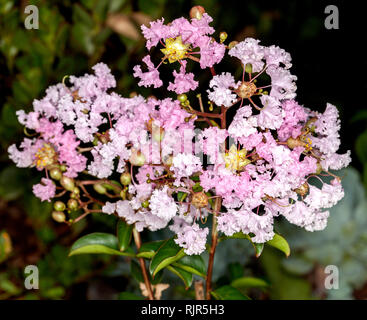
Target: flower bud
(223, 36)
(137, 158)
(58, 216)
(145, 204)
(55, 173)
(72, 204)
(59, 206)
(67, 183)
(125, 179)
(63, 168)
(99, 188)
(182, 97)
(197, 12)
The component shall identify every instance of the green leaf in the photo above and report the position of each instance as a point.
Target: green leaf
(148, 249)
(181, 196)
(249, 282)
(193, 264)
(124, 232)
(239, 235)
(98, 243)
(185, 276)
(228, 293)
(360, 115)
(280, 243)
(284, 286)
(129, 296)
(168, 253)
(235, 270)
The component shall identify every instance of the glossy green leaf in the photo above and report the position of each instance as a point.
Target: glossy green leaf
(193, 264)
(98, 243)
(168, 253)
(185, 276)
(280, 243)
(249, 282)
(124, 232)
(228, 293)
(239, 235)
(138, 275)
(148, 249)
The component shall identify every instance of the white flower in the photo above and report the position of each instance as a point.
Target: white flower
(162, 205)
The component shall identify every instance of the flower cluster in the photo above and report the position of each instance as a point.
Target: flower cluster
(150, 165)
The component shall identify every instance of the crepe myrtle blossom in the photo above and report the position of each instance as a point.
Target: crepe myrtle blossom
(268, 66)
(146, 161)
(181, 39)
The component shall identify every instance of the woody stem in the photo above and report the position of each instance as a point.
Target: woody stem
(148, 286)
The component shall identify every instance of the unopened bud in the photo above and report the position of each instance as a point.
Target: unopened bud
(223, 36)
(99, 188)
(59, 206)
(63, 168)
(182, 97)
(73, 204)
(55, 173)
(137, 158)
(125, 179)
(58, 216)
(67, 183)
(197, 12)
(145, 204)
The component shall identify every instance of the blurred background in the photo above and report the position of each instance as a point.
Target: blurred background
(73, 36)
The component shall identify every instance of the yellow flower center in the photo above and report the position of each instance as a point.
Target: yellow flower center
(175, 50)
(236, 160)
(45, 156)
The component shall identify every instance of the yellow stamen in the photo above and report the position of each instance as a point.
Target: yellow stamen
(45, 156)
(236, 160)
(175, 50)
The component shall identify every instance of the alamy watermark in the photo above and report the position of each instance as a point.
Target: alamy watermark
(32, 20)
(332, 19)
(332, 277)
(31, 280)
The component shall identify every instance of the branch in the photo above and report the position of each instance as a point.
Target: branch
(217, 206)
(137, 240)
